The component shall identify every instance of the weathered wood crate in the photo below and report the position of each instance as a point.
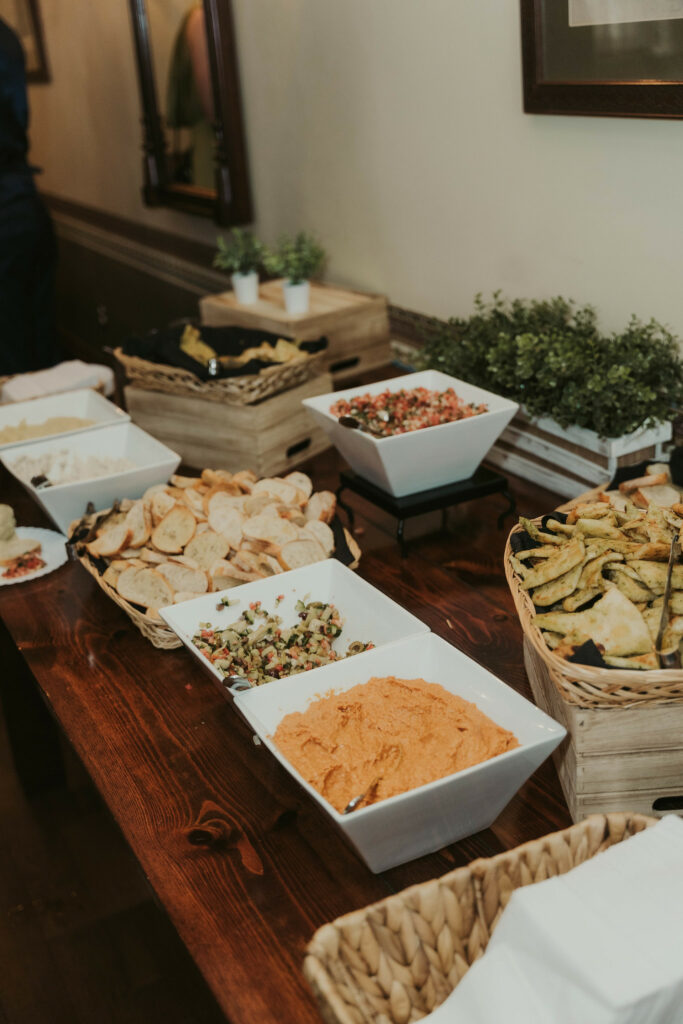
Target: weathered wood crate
(570, 460)
(269, 437)
(355, 324)
(613, 758)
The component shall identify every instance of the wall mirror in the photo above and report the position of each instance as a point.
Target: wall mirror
(620, 58)
(195, 154)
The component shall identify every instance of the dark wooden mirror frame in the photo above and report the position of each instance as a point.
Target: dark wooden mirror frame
(611, 99)
(230, 203)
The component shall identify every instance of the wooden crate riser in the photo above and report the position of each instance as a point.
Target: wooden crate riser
(556, 463)
(269, 437)
(613, 759)
(356, 325)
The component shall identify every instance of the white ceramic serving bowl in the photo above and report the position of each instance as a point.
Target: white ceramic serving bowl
(367, 614)
(423, 459)
(154, 464)
(84, 403)
(425, 819)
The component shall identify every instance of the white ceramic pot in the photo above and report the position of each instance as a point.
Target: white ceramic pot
(297, 296)
(245, 287)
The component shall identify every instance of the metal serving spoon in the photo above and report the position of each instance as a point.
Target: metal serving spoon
(357, 800)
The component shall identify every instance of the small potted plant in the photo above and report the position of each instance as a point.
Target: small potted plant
(296, 258)
(242, 254)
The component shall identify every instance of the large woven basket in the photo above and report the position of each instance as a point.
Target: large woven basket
(245, 390)
(397, 960)
(157, 632)
(581, 684)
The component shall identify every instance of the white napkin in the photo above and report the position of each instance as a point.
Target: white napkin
(602, 944)
(67, 376)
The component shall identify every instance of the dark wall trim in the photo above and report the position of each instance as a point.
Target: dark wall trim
(174, 245)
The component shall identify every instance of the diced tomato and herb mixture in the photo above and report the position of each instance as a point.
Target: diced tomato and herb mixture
(23, 566)
(400, 412)
(258, 647)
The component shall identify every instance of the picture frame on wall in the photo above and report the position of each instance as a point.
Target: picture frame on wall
(612, 58)
(24, 17)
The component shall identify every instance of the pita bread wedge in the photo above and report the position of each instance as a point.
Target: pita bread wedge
(568, 555)
(634, 590)
(545, 551)
(653, 575)
(592, 570)
(536, 533)
(581, 597)
(556, 590)
(613, 622)
(640, 661)
(557, 527)
(588, 510)
(599, 528)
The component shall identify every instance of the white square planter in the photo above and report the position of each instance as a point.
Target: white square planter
(571, 460)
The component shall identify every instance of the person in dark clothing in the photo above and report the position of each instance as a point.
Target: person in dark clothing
(28, 249)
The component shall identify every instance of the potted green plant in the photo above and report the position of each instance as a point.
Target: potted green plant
(296, 258)
(589, 401)
(242, 254)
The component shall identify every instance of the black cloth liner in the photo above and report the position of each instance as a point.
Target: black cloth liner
(163, 346)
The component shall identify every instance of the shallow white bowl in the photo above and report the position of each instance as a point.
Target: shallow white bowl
(84, 403)
(425, 819)
(367, 614)
(154, 464)
(423, 459)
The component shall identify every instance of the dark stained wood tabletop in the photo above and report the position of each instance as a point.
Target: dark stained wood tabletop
(244, 863)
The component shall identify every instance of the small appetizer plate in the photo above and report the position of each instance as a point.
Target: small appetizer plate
(367, 614)
(52, 551)
(431, 816)
(421, 459)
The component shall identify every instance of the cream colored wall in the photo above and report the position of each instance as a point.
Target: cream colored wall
(393, 129)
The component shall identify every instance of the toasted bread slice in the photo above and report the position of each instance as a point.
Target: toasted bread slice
(111, 542)
(322, 505)
(286, 493)
(206, 548)
(145, 587)
(302, 482)
(322, 533)
(270, 528)
(139, 522)
(225, 519)
(181, 577)
(301, 552)
(175, 530)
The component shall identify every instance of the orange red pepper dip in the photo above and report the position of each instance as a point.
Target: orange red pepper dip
(406, 731)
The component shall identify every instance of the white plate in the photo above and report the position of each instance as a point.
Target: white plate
(367, 614)
(429, 817)
(421, 459)
(53, 552)
(84, 403)
(153, 462)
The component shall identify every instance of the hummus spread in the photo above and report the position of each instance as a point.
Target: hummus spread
(24, 431)
(407, 732)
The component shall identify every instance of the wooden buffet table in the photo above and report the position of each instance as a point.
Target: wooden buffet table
(243, 862)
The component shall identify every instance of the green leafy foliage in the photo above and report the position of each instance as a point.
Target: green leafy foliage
(551, 358)
(297, 257)
(241, 254)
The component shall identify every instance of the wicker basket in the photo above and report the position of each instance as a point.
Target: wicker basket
(157, 632)
(583, 685)
(245, 390)
(397, 960)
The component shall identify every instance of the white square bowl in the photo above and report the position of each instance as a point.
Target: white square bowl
(425, 819)
(84, 403)
(422, 459)
(367, 614)
(154, 463)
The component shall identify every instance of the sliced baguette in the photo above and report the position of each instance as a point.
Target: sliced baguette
(301, 552)
(181, 577)
(206, 548)
(145, 587)
(175, 530)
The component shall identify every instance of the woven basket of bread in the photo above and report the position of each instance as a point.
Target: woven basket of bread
(245, 390)
(583, 685)
(397, 960)
(203, 534)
